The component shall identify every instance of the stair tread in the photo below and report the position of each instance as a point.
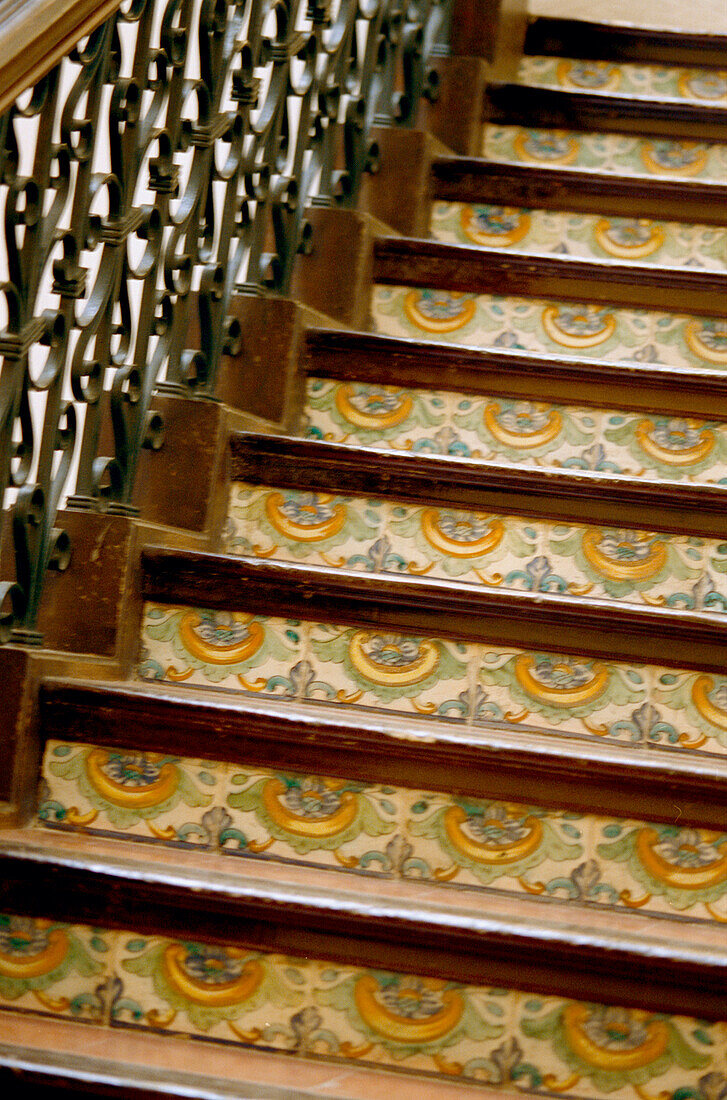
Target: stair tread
(289, 500)
(624, 154)
(309, 625)
(628, 40)
(127, 1059)
(586, 236)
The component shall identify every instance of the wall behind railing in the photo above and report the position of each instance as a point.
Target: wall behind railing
(164, 165)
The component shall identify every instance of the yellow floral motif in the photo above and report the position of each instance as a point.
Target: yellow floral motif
(384, 407)
(648, 436)
(22, 966)
(578, 326)
(566, 684)
(684, 877)
(383, 660)
(541, 433)
(584, 1040)
(490, 851)
(277, 514)
(633, 242)
(194, 640)
(645, 555)
(217, 994)
(439, 311)
(303, 824)
(440, 540)
(384, 1017)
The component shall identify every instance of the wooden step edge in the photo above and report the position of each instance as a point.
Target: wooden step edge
(52, 1057)
(600, 499)
(412, 261)
(438, 608)
(529, 765)
(538, 186)
(347, 355)
(389, 930)
(565, 109)
(583, 39)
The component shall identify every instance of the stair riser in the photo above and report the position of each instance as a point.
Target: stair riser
(458, 268)
(552, 108)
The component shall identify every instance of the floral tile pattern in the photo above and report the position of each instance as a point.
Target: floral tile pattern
(511, 552)
(50, 967)
(377, 829)
(543, 326)
(705, 87)
(589, 236)
(620, 153)
(531, 433)
(415, 674)
(534, 1045)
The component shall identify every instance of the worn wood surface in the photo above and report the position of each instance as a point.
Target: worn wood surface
(611, 42)
(365, 930)
(471, 179)
(651, 388)
(471, 269)
(530, 765)
(439, 608)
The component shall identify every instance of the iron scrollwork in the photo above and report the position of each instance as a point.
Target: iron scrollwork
(162, 167)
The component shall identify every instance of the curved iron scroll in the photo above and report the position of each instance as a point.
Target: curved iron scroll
(163, 166)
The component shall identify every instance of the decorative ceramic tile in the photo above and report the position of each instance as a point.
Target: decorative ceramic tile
(230, 649)
(54, 968)
(376, 416)
(673, 448)
(218, 992)
(589, 236)
(544, 326)
(576, 695)
(127, 793)
(379, 668)
(705, 87)
(690, 709)
(313, 819)
(570, 1048)
(320, 528)
(621, 153)
(311, 1008)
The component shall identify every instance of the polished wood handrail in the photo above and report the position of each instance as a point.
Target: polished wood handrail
(36, 34)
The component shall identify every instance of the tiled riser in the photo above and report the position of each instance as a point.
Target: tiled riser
(229, 994)
(472, 684)
(507, 552)
(518, 433)
(589, 236)
(359, 828)
(619, 153)
(705, 87)
(545, 326)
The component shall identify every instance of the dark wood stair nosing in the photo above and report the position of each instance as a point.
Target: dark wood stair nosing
(459, 611)
(535, 186)
(362, 930)
(371, 357)
(523, 765)
(588, 497)
(419, 262)
(548, 108)
(585, 40)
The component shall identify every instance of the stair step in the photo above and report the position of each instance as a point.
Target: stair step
(704, 88)
(56, 1056)
(454, 267)
(607, 112)
(323, 929)
(585, 236)
(621, 153)
(373, 359)
(288, 501)
(302, 633)
(584, 329)
(554, 186)
(524, 764)
(613, 42)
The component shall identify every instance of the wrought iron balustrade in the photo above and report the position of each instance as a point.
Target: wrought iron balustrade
(164, 165)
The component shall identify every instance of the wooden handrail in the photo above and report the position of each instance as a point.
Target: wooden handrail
(36, 34)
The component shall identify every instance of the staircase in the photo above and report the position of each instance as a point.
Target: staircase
(419, 781)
